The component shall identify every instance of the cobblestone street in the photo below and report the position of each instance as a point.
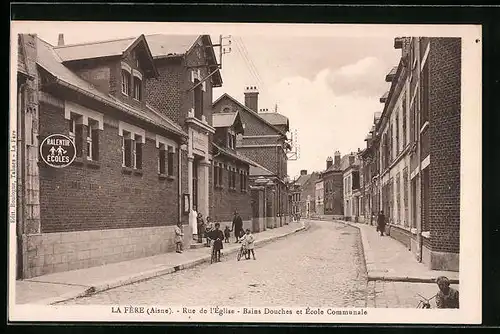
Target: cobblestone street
(321, 267)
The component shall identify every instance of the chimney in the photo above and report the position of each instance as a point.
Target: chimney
(337, 158)
(329, 162)
(303, 172)
(251, 98)
(351, 159)
(60, 41)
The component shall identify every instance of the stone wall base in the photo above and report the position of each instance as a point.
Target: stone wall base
(440, 260)
(49, 253)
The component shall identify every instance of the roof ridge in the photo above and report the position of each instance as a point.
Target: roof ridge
(94, 42)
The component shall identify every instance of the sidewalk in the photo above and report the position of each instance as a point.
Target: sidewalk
(58, 287)
(389, 260)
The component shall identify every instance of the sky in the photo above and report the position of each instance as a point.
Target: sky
(327, 81)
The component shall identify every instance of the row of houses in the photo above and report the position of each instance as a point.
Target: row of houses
(152, 149)
(410, 167)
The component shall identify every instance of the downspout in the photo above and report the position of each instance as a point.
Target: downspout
(179, 181)
(419, 150)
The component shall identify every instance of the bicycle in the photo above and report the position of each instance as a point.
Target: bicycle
(425, 302)
(242, 252)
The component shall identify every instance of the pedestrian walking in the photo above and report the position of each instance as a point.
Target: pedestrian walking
(179, 233)
(237, 226)
(381, 223)
(217, 236)
(201, 227)
(446, 297)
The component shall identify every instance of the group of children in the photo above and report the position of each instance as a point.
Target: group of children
(213, 234)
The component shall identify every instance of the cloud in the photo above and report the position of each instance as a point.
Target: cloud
(326, 119)
(365, 77)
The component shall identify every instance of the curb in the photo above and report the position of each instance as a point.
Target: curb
(370, 264)
(146, 275)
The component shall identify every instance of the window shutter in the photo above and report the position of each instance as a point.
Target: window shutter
(138, 155)
(95, 144)
(79, 140)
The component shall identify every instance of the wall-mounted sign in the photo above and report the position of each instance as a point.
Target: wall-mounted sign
(58, 151)
(200, 142)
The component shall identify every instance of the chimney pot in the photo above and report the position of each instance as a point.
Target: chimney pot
(251, 98)
(60, 40)
(303, 172)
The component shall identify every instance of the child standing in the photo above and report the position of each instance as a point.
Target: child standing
(209, 226)
(179, 233)
(227, 234)
(217, 236)
(249, 244)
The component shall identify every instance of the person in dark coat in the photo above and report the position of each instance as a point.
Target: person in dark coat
(381, 222)
(217, 236)
(237, 226)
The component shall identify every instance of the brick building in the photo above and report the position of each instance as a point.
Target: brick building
(304, 199)
(264, 143)
(109, 204)
(420, 120)
(351, 186)
(319, 208)
(188, 72)
(333, 186)
(231, 171)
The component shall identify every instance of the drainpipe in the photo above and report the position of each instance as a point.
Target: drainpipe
(419, 149)
(179, 181)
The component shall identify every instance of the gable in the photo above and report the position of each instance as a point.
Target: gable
(254, 124)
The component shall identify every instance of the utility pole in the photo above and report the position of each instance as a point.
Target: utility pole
(223, 48)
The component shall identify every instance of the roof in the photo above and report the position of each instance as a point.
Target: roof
(95, 49)
(162, 45)
(52, 63)
(223, 120)
(256, 114)
(259, 170)
(234, 155)
(303, 179)
(274, 118)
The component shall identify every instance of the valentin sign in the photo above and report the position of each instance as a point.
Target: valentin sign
(58, 151)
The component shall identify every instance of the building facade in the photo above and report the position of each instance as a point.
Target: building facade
(230, 172)
(127, 159)
(264, 143)
(319, 194)
(420, 121)
(333, 188)
(351, 186)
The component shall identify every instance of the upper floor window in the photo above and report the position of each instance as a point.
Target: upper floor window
(231, 140)
(137, 89)
(126, 79)
(199, 90)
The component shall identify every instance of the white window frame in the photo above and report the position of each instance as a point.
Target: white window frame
(89, 141)
(162, 147)
(136, 141)
(127, 136)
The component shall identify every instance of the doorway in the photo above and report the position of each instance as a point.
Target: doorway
(195, 184)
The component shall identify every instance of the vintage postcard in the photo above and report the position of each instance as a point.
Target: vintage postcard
(301, 173)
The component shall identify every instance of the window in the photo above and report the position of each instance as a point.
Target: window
(137, 152)
(231, 140)
(397, 133)
(92, 140)
(243, 181)
(161, 159)
(198, 100)
(127, 149)
(403, 120)
(216, 175)
(170, 161)
(233, 177)
(413, 115)
(398, 199)
(76, 133)
(126, 82)
(221, 182)
(405, 196)
(137, 89)
(424, 93)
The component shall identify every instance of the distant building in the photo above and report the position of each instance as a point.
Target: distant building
(351, 186)
(332, 178)
(320, 197)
